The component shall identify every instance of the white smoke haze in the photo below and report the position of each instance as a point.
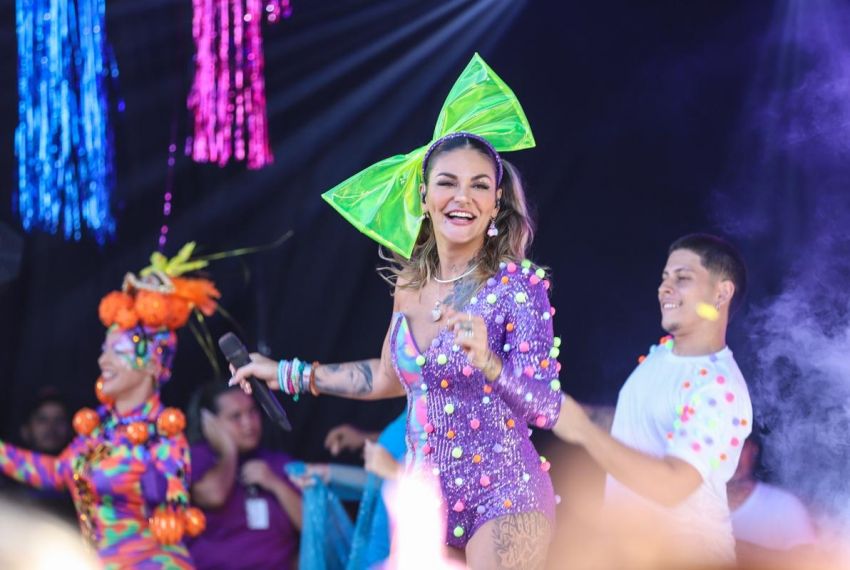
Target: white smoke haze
(788, 205)
(801, 341)
(814, 45)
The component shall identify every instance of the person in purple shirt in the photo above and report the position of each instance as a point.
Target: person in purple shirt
(253, 512)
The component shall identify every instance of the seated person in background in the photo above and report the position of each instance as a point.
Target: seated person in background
(370, 542)
(46, 429)
(47, 425)
(766, 520)
(253, 512)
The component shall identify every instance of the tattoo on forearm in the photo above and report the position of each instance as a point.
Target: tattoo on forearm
(521, 541)
(347, 379)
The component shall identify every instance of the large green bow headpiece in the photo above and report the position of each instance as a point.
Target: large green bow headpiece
(383, 200)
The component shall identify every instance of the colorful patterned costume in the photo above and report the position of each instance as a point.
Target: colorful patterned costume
(128, 472)
(116, 485)
(472, 433)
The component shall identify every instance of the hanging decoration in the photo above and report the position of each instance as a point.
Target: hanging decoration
(168, 195)
(63, 141)
(228, 97)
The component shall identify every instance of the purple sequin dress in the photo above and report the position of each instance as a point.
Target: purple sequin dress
(473, 433)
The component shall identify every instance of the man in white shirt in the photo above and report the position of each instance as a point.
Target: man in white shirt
(767, 521)
(684, 413)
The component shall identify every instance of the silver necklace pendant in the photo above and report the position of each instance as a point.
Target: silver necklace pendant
(437, 311)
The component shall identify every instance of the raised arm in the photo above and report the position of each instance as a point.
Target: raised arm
(347, 437)
(347, 481)
(216, 475)
(665, 480)
(523, 370)
(718, 418)
(34, 469)
(372, 379)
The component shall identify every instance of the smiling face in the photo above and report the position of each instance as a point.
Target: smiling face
(124, 373)
(461, 196)
(685, 284)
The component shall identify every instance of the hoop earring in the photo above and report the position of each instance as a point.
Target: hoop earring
(492, 231)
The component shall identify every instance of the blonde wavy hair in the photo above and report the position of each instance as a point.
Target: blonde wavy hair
(514, 222)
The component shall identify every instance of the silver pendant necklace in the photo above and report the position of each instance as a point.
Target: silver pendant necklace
(437, 311)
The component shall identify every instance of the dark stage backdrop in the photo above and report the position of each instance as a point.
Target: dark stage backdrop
(634, 105)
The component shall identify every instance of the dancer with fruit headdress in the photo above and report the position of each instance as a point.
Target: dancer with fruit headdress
(127, 467)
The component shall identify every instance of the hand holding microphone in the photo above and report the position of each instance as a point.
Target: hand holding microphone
(260, 368)
(255, 373)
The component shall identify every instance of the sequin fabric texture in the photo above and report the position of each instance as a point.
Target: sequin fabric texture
(471, 433)
(115, 485)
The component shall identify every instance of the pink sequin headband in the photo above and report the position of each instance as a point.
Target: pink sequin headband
(451, 136)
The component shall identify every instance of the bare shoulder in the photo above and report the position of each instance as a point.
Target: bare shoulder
(403, 296)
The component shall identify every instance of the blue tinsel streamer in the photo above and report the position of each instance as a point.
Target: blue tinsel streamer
(63, 140)
(328, 540)
(326, 530)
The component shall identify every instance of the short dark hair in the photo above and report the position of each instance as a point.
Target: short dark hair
(204, 397)
(720, 258)
(210, 393)
(47, 395)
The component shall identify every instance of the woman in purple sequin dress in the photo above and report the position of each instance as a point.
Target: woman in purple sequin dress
(470, 344)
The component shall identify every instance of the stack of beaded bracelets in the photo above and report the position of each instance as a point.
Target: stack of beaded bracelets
(291, 375)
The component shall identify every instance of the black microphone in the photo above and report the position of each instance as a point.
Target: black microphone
(237, 355)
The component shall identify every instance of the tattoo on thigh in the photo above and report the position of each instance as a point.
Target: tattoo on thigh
(521, 541)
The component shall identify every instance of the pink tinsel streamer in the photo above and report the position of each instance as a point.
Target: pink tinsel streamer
(228, 96)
